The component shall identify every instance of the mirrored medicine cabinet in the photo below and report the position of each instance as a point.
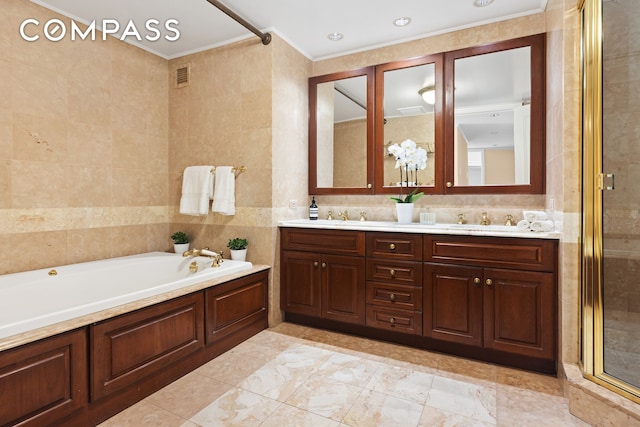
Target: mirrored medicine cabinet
(477, 112)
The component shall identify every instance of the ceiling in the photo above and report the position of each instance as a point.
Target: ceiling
(365, 24)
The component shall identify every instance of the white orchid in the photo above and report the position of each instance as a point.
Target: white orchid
(410, 158)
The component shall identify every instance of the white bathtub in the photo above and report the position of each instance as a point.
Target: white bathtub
(35, 299)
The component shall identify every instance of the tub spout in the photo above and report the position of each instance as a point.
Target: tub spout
(216, 257)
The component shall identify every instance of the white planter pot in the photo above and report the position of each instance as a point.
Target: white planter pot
(239, 255)
(180, 247)
(405, 212)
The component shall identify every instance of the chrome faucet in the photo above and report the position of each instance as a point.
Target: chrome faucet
(205, 252)
(344, 215)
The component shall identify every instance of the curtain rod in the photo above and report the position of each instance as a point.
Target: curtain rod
(265, 37)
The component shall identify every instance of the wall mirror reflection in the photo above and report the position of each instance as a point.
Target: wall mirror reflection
(341, 107)
(495, 129)
(409, 114)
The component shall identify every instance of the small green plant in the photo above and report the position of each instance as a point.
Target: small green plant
(179, 238)
(409, 198)
(237, 244)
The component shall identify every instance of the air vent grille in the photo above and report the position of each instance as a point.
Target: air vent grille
(183, 74)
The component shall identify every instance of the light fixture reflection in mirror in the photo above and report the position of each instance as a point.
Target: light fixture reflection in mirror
(428, 94)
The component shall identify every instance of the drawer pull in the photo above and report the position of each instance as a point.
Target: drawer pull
(477, 282)
(392, 297)
(489, 282)
(392, 320)
(392, 246)
(392, 272)
(315, 263)
(324, 265)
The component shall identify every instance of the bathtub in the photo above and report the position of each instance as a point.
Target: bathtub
(35, 299)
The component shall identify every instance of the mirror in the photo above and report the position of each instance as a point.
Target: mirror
(409, 100)
(341, 117)
(479, 113)
(495, 133)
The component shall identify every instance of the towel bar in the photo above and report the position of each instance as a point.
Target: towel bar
(237, 169)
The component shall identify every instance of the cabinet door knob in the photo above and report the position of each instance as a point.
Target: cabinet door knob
(477, 282)
(489, 282)
(315, 263)
(449, 184)
(392, 297)
(392, 272)
(392, 320)
(324, 265)
(392, 246)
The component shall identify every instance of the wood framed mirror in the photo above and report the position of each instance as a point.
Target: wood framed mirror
(341, 135)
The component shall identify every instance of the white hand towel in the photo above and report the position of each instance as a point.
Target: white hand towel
(224, 198)
(197, 188)
(524, 225)
(535, 216)
(542, 226)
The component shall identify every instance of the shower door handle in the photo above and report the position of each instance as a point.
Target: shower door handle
(610, 176)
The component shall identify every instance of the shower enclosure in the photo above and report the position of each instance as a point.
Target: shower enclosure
(611, 205)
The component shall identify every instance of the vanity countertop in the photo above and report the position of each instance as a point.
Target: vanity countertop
(454, 229)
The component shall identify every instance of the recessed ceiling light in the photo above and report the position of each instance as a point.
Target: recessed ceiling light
(335, 36)
(482, 3)
(401, 22)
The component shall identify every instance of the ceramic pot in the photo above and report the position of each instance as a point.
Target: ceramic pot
(239, 254)
(405, 212)
(180, 247)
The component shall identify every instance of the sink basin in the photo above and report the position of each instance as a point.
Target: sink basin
(478, 227)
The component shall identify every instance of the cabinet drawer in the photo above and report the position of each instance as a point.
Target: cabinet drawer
(394, 320)
(505, 252)
(395, 246)
(392, 295)
(408, 273)
(343, 242)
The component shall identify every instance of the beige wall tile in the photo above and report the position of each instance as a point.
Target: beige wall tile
(89, 244)
(39, 138)
(5, 184)
(6, 134)
(38, 185)
(38, 250)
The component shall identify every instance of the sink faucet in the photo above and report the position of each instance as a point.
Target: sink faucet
(485, 219)
(344, 215)
(461, 219)
(509, 220)
(205, 252)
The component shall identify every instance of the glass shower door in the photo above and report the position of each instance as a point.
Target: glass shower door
(620, 268)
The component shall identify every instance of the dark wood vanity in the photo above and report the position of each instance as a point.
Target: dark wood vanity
(487, 298)
(86, 375)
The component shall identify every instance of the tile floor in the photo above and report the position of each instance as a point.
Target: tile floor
(296, 376)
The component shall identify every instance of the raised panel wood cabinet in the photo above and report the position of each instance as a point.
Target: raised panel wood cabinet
(489, 298)
(511, 310)
(45, 381)
(317, 282)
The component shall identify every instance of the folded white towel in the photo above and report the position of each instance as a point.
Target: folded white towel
(197, 188)
(543, 226)
(224, 198)
(535, 216)
(523, 225)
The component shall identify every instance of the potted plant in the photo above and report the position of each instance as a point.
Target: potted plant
(409, 159)
(238, 248)
(180, 242)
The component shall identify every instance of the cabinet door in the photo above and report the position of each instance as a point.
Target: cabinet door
(343, 288)
(453, 303)
(300, 282)
(519, 312)
(45, 381)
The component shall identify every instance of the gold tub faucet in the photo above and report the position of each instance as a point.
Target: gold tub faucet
(205, 252)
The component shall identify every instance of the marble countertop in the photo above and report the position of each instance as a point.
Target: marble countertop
(453, 229)
(68, 325)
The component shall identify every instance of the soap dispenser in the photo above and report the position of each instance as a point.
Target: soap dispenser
(313, 210)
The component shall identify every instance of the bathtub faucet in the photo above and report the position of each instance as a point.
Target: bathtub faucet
(216, 257)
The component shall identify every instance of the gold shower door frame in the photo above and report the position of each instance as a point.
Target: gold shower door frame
(592, 314)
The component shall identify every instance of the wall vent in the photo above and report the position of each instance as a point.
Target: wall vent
(183, 75)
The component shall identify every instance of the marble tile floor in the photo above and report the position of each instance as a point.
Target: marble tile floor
(292, 375)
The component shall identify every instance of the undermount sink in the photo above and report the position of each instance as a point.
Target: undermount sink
(478, 227)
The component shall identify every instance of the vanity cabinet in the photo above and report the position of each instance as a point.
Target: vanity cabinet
(323, 274)
(394, 282)
(492, 293)
(488, 298)
(45, 381)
